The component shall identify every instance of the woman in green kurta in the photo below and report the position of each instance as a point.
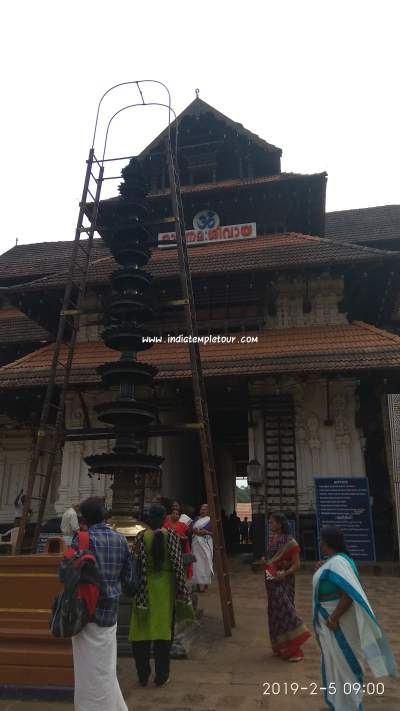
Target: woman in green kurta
(162, 593)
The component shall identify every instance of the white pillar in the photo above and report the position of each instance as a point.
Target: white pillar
(391, 421)
(256, 451)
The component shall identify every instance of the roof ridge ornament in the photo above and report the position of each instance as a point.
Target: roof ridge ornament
(197, 104)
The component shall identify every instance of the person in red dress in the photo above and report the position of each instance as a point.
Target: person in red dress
(180, 523)
(286, 629)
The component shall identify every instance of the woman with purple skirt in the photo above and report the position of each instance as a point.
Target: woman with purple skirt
(286, 629)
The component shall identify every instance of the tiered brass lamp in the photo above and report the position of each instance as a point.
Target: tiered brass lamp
(126, 313)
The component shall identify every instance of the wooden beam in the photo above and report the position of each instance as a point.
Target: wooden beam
(86, 417)
(78, 434)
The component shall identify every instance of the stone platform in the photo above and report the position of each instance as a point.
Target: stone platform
(29, 655)
(227, 674)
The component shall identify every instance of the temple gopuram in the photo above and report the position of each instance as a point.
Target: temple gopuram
(300, 314)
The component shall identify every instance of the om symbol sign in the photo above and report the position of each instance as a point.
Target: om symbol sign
(206, 220)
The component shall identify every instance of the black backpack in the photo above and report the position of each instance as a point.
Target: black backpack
(74, 607)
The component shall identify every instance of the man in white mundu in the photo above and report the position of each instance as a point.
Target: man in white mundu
(202, 549)
(95, 647)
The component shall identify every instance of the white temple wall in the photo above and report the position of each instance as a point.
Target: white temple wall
(15, 457)
(75, 483)
(321, 449)
(15, 448)
(324, 294)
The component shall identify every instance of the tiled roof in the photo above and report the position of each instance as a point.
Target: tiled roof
(370, 224)
(269, 252)
(243, 509)
(351, 347)
(238, 183)
(41, 258)
(276, 252)
(16, 327)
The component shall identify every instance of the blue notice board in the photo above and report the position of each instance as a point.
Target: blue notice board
(345, 502)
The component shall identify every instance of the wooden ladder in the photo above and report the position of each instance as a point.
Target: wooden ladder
(200, 399)
(280, 455)
(49, 440)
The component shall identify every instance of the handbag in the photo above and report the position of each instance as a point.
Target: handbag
(270, 572)
(189, 558)
(131, 586)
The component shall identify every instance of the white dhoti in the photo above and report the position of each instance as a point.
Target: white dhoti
(202, 549)
(95, 669)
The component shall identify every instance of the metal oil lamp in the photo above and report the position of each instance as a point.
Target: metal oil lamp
(127, 309)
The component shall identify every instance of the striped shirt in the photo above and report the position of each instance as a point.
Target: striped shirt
(115, 563)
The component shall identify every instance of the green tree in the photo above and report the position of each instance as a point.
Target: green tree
(243, 495)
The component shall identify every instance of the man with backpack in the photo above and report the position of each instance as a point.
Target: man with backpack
(95, 647)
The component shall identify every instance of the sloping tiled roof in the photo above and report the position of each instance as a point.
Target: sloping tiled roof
(370, 224)
(269, 252)
(276, 252)
(243, 509)
(351, 347)
(16, 327)
(41, 258)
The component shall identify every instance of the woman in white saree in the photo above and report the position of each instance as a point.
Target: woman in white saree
(346, 628)
(202, 549)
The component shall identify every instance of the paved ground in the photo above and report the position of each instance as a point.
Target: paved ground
(228, 674)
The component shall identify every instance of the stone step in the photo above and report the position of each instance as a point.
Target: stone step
(35, 675)
(33, 655)
(39, 635)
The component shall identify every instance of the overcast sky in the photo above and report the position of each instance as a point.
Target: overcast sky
(318, 78)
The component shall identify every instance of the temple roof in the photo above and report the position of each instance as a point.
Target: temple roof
(276, 252)
(27, 261)
(235, 183)
(346, 348)
(16, 327)
(198, 108)
(251, 195)
(370, 224)
(263, 253)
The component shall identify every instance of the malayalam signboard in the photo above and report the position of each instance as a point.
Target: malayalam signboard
(344, 502)
(225, 233)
